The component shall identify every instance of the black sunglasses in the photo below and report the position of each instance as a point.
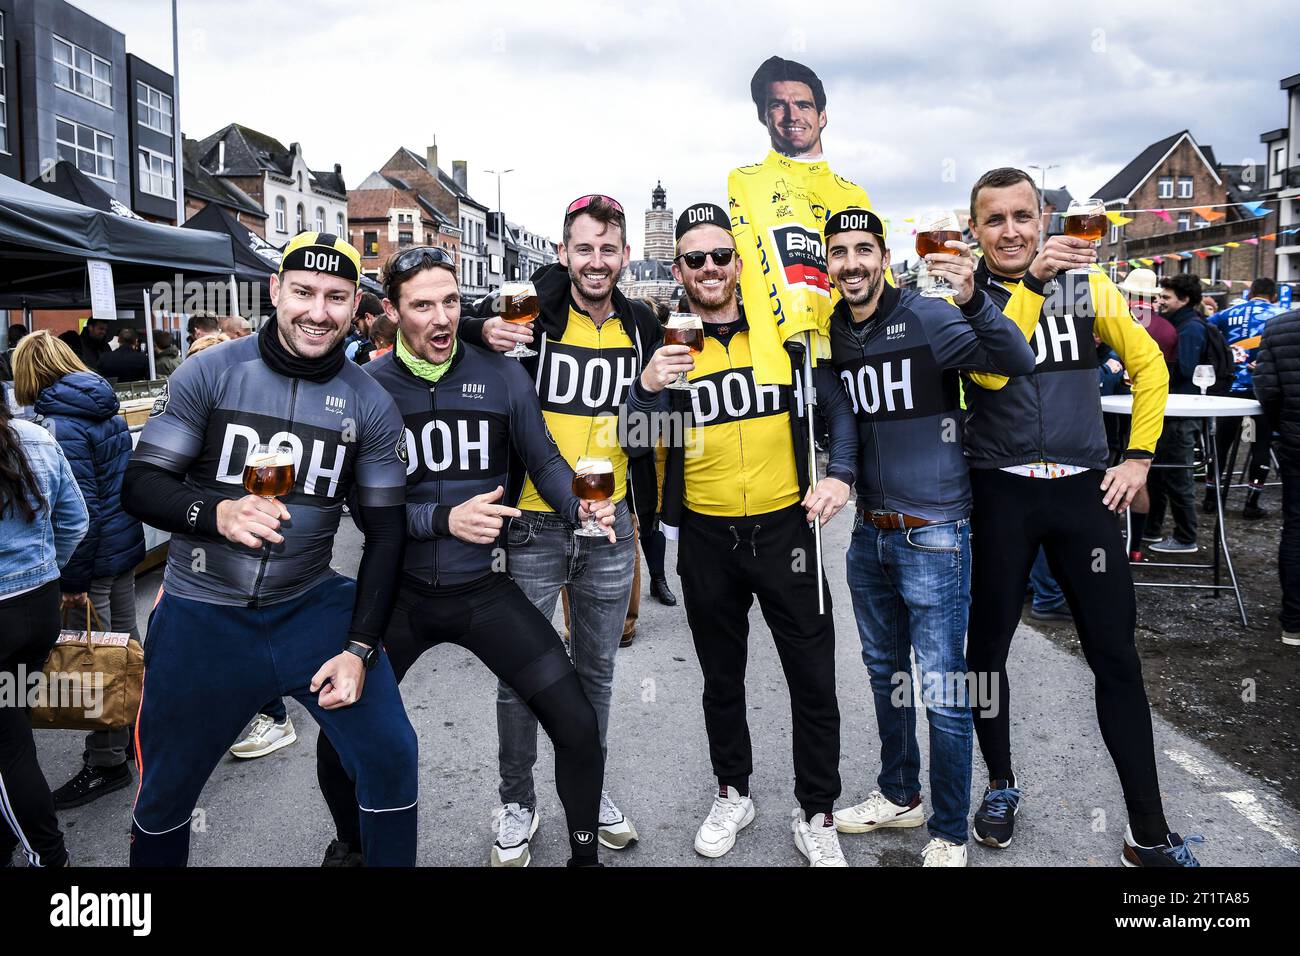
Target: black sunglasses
(695, 260)
(419, 256)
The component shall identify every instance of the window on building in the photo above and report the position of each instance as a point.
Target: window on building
(154, 108)
(280, 213)
(1165, 188)
(478, 277)
(157, 174)
(300, 182)
(4, 97)
(1159, 269)
(1184, 266)
(85, 147)
(404, 238)
(80, 71)
(1185, 187)
(299, 223)
(1201, 223)
(370, 244)
(1215, 263)
(1114, 233)
(1279, 159)
(1184, 223)
(341, 225)
(320, 219)
(1114, 271)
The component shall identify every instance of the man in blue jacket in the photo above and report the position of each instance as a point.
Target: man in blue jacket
(898, 354)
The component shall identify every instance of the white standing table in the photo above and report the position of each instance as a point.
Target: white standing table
(1209, 409)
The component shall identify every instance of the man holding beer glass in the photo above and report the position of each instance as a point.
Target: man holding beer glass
(251, 609)
(738, 490)
(591, 343)
(1037, 450)
(464, 410)
(898, 354)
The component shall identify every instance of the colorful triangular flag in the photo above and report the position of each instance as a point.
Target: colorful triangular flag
(1118, 219)
(1163, 215)
(1208, 214)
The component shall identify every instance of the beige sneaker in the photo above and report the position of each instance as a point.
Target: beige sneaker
(515, 826)
(265, 737)
(879, 811)
(939, 852)
(616, 830)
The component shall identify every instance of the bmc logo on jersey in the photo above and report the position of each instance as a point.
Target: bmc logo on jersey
(318, 462)
(581, 381)
(801, 257)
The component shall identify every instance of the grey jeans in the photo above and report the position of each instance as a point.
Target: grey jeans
(114, 602)
(545, 556)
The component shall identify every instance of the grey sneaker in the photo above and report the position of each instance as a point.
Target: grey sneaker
(515, 826)
(265, 737)
(1172, 545)
(616, 830)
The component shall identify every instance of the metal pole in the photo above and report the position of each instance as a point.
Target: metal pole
(178, 146)
(234, 298)
(148, 334)
(809, 403)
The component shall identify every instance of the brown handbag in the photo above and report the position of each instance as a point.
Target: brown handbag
(92, 680)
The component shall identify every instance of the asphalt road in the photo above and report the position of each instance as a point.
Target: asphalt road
(269, 811)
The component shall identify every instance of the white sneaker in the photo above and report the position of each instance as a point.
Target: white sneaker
(1292, 638)
(878, 811)
(616, 830)
(265, 737)
(515, 826)
(939, 852)
(817, 839)
(729, 814)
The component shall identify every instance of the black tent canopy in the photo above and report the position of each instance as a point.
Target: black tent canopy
(45, 241)
(66, 181)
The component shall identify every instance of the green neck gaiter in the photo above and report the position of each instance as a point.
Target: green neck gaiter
(425, 370)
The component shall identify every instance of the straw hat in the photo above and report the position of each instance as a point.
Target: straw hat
(1141, 282)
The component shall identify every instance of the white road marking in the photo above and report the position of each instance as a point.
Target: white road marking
(1243, 801)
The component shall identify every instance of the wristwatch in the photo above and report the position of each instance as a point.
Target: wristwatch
(369, 655)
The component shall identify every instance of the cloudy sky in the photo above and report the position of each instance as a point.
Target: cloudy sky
(612, 96)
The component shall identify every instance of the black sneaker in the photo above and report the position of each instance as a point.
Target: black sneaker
(995, 820)
(1207, 503)
(90, 784)
(1175, 851)
(660, 591)
(1253, 512)
(339, 853)
(1053, 615)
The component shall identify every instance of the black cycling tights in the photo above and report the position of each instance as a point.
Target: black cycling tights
(493, 620)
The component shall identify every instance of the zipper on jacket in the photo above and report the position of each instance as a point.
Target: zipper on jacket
(266, 548)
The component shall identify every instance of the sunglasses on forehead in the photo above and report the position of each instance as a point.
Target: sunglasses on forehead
(413, 258)
(583, 202)
(695, 260)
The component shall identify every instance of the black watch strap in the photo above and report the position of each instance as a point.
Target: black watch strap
(369, 655)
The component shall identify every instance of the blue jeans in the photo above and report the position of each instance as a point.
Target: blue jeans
(911, 593)
(207, 670)
(545, 556)
(1048, 595)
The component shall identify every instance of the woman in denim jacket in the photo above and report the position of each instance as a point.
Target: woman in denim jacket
(42, 519)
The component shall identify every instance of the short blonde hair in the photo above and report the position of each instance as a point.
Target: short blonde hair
(40, 360)
(207, 341)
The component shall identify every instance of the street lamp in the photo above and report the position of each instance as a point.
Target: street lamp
(1043, 170)
(501, 219)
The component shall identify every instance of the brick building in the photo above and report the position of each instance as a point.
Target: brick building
(385, 215)
(1176, 174)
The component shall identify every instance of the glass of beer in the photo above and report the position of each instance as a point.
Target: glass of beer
(519, 307)
(1085, 219)
(934, 228)
(593, 480)
(684, 328)
(269, 471)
